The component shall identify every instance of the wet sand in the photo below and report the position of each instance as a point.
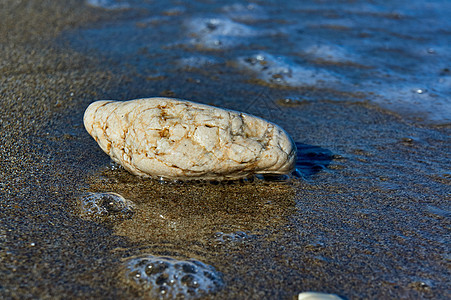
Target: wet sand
(369, 219)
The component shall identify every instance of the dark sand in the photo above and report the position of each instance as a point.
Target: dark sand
(369, 220)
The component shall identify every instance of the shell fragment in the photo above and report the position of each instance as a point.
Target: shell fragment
(179, 139)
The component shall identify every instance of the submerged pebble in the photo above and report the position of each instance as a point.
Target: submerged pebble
(169, 278)
(178, 139)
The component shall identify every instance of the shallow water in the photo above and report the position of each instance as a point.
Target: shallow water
(365, 217)
(395, 54)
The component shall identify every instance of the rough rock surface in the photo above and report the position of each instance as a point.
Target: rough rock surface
(179, 139)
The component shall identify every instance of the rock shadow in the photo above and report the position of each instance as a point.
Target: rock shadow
(311, 159)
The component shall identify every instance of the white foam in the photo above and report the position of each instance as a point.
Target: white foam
(218, 33)
(282, 71)
(422, 101)
(331, 53)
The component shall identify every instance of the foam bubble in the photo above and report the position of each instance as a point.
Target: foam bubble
(108, 4)
(237, 236)
(170, 278)
(102, 207)
(282, 71)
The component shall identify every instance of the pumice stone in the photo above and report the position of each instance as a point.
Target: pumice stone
(179, 139)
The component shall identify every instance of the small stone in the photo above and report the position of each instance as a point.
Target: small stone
(317, 296)
(179, 139)
(420, 91)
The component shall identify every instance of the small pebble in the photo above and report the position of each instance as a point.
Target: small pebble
(318, 296)
(420, 91)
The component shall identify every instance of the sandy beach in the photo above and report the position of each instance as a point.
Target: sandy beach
(367, 217)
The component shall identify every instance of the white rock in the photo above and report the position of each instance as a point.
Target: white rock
(317, 296)
(179, 139)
